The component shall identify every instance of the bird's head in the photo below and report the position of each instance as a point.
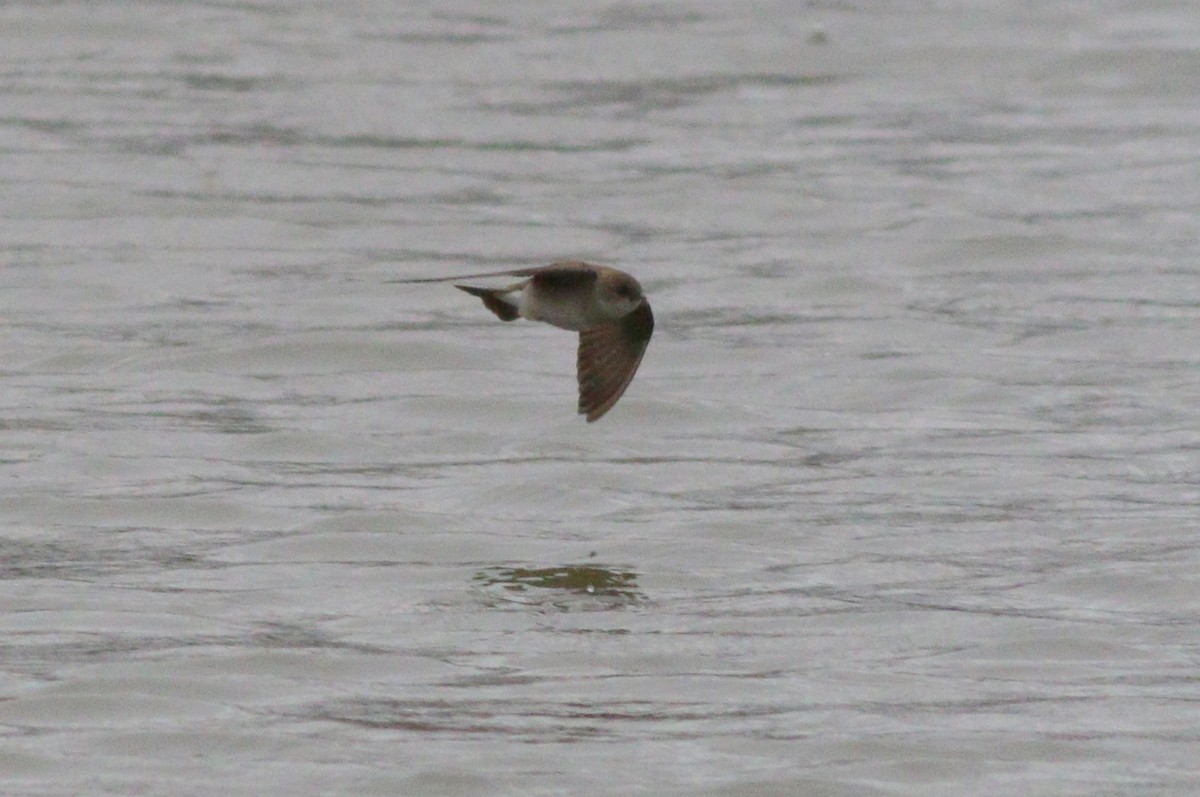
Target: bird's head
(619, 293)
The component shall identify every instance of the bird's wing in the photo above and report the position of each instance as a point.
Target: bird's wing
(609, 356)
(556, 274)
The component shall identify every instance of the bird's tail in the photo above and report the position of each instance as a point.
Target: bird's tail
(493, 299)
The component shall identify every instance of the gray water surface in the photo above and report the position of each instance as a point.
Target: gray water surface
(903, 500)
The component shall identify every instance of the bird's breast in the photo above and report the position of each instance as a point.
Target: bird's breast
(566, 309)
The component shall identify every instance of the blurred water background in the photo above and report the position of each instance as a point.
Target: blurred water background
(903, 500)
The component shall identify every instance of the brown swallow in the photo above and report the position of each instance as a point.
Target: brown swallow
(605, 306)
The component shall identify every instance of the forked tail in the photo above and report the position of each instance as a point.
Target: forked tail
(492, 300)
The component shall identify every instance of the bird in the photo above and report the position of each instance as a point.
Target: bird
(606, 306)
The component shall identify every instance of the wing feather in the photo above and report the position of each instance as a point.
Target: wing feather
(609, 356)
(566, 272)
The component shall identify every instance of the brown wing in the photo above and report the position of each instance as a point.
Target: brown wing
(566, 273)
(609, 356)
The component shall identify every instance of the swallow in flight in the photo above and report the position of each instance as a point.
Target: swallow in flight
(605, 306)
